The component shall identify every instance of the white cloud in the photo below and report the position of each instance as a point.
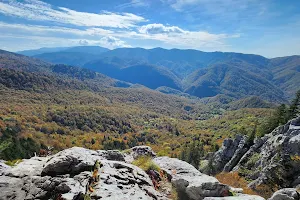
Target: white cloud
(53, 35)
(112, 42)
(83, 42)
(109, 42)
(124, 26)
(134, 3)
(180, 4)
(170, 35)
(44, 30)
(174, 35)
(159, 28)
(40, 11)
(19, 43)
(222, 8)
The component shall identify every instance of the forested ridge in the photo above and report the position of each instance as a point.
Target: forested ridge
(60, 106)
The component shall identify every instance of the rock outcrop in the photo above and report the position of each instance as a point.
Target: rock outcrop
(3, 166)
(240, 197)
(136, 152)
(189, 182)
(286, 194)
(66, 174)
(272, 159)
(229, 154)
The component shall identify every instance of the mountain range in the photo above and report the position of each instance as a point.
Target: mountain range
(118, 102)
(196, 73)
(206, 74)
(95, 50)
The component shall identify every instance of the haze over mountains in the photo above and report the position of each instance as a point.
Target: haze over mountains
(197, 73)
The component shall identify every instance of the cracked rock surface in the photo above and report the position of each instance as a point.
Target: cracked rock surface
(67, 173)
(189, 182)
(273, 158)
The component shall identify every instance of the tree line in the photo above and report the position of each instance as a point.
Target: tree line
(282, 115)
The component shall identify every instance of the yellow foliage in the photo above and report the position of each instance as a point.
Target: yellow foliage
(295, 158)
(234, 180)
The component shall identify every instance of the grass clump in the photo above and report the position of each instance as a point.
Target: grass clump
(174, 194)
(253, 160)
(13, 162)
(146, 163)
(127, 151)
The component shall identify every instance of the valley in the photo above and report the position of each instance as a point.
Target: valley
(49, 107)
(63, 106)
(149, 100)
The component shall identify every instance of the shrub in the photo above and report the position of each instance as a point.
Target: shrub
(295, 158)
(174, 194)
(146, 163)
(235, 180)
(252, 160)
(266, 191)
(127, 151)
(13, 147)
(13, 162)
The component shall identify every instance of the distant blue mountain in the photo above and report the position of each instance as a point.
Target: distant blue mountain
(145, 74)
(68, 58)
(96, 50)
(198, 73)
(41, 50)
(180, 62)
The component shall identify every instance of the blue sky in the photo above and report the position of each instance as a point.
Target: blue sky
(267, 27)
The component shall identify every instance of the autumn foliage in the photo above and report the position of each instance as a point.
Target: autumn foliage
(235, 180)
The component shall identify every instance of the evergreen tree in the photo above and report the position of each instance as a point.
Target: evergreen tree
(250, 140)
(182, 155)
(294, 108)
(281, 114)
(13, 147)
(192, 153)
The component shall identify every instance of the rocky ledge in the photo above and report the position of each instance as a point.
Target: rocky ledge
(65, 175)
(272, 159)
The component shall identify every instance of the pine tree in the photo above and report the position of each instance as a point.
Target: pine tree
(251, 138)
(294, 108)
(182, 155)
(280, 116)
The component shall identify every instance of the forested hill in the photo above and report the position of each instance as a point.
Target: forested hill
(194, 72)
(63, 106)
(59, 72)
(16, 61)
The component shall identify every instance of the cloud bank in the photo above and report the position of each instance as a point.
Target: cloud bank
(40, 11)
(106, 29)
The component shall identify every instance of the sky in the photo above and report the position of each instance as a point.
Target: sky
(267, 27)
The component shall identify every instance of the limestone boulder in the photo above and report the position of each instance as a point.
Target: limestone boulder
(286, 194)
(188, 181)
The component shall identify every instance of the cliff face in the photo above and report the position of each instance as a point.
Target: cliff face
(272, 159)
(66, 174)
